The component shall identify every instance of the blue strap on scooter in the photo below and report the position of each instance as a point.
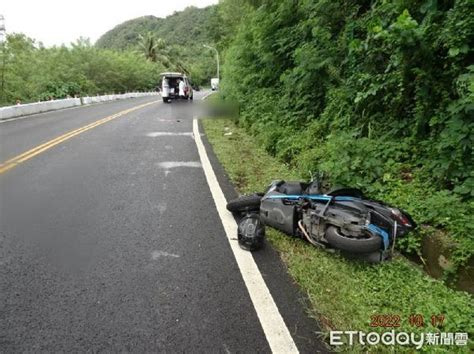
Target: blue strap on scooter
(318, 197)
(382, 233)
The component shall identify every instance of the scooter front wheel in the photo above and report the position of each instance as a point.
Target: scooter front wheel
(245, 203)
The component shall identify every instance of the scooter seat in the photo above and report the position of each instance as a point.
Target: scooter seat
(346, 192)
(293, 188)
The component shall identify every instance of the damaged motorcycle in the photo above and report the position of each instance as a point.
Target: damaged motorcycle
(342, 219)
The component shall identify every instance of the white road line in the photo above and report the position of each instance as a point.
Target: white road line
(273, 325)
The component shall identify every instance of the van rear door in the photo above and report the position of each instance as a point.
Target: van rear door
(165, 87)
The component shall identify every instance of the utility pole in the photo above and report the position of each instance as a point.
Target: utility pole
(2, 29)
(3, 38)
(217, 58)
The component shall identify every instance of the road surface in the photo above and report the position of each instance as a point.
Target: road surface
(110, 239)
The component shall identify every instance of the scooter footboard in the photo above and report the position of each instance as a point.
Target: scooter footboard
(274, 213)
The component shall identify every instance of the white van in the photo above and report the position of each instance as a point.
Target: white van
(170, 86)
(214, 83)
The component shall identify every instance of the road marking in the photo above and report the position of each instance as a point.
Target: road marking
(9, 164)
(157, 254)
(274, 327)
(168, 165)
(174, 164)
(157, 134)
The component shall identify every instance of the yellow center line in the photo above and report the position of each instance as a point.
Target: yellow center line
(9, 164)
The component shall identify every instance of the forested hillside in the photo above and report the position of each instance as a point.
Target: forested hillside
(184, 28)
(183, 35)
(376, 94)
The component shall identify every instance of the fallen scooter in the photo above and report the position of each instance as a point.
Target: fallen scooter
(342, 219)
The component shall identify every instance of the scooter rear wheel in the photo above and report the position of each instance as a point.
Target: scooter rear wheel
(369, 244)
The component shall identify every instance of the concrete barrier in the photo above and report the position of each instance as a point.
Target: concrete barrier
(39, 107)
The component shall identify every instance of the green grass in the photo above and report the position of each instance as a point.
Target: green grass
(344, 294)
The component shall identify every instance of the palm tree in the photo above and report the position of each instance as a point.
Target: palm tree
(151, 46)
(158, 51)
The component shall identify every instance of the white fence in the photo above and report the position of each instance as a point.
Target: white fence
(32, 108)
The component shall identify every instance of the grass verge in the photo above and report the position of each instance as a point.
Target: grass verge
(345, 295)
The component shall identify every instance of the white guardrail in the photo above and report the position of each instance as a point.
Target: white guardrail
(39, 107)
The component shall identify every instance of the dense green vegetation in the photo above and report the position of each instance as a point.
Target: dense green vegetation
(183, 35)
(377, 94)
(32, 72)
(344, 293)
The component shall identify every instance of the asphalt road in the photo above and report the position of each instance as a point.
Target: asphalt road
(110, 241)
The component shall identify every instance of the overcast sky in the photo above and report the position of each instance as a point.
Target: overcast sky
(56, 22)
